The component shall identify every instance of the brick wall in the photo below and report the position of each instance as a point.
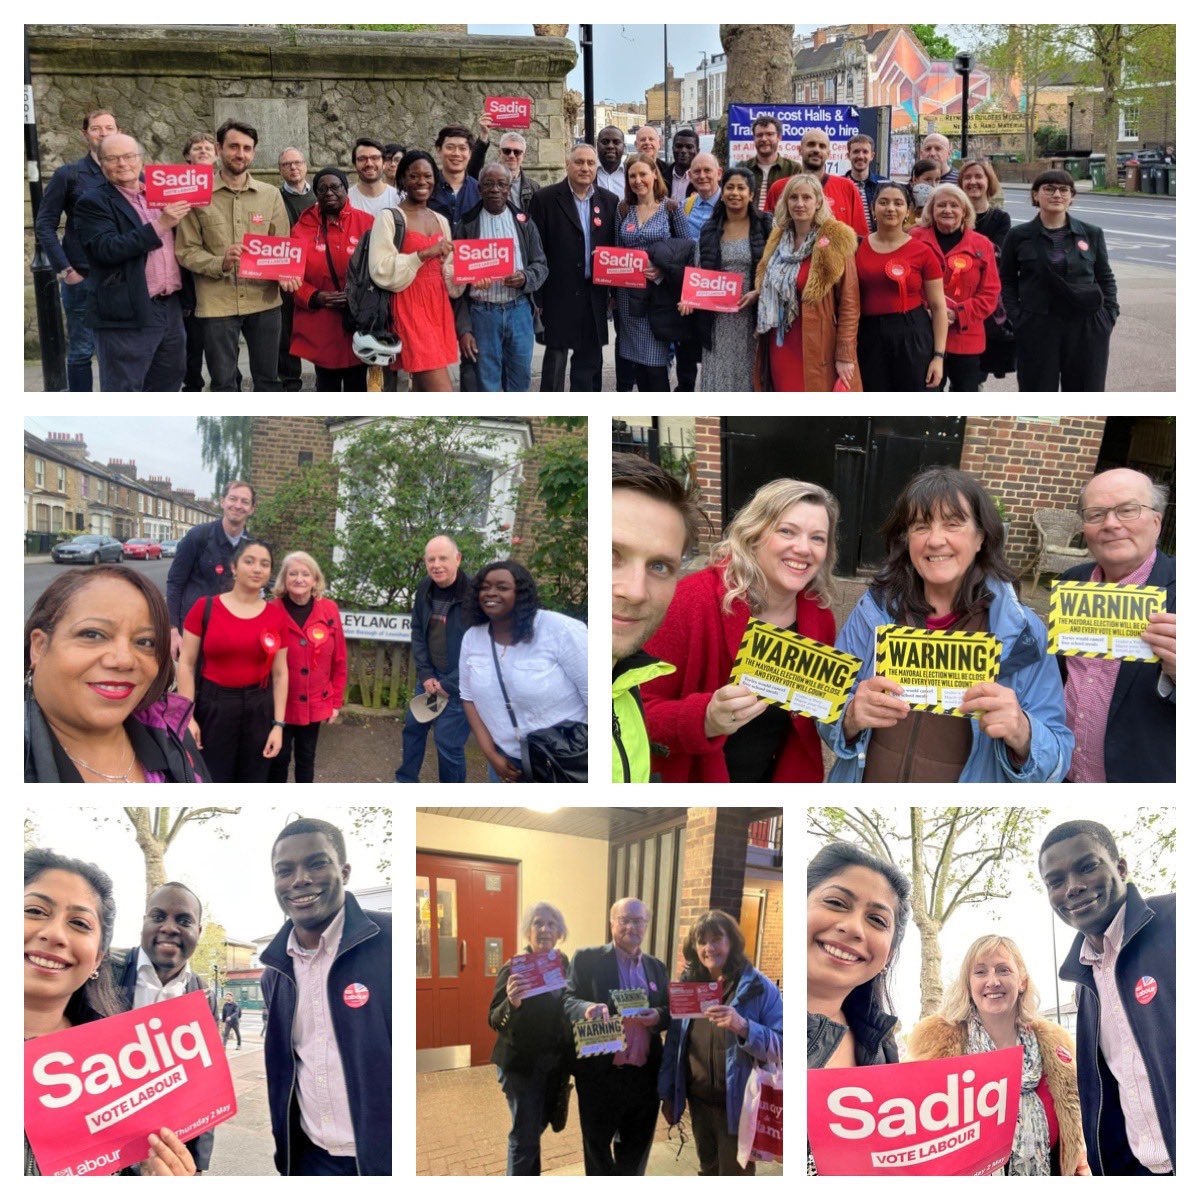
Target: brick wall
(1031, 463)
(531, 512)
(708, 476)
(714, 865)
(770, 946)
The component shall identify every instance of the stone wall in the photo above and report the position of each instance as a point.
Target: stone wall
(316, 89)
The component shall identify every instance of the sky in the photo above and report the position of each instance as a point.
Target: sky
(1026, 917)
(231, 876)
(167, 446)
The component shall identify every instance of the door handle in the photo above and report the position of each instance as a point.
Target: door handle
(850, 449)
(462, 954)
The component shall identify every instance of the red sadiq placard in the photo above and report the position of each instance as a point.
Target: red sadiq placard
(614, 267)
(477, 260)
(94, 1094)
(167, 183)
(951, 1116)
(717, 291)
(271, 257)
(541, 972)
(693, 999)
(509, 112)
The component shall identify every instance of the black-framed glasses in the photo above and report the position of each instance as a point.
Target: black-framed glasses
(513, 150)
(1056, 189)
(1129, 510)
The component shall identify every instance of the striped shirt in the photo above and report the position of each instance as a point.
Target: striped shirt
(498, 225)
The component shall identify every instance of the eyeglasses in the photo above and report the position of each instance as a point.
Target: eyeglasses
(637, 922)
(369, 158)
(295, 162)
(1130, 510)
(1055, 189)
(121, 158)
(515, 151)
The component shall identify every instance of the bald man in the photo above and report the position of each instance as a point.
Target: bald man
(1123, 713)
(936, 148)
(438, 625)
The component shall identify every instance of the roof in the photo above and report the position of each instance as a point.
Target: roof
(814, 58)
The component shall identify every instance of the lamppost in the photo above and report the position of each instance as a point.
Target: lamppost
(963, 62)
(666, 137)
(704, 68)
(1070, 125)
(589, 96)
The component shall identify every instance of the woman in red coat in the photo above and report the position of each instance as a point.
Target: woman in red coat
(316, 646)
(330, 229)
(971, 279)
(775, 564)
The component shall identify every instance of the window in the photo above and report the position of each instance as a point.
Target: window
(649, 867)
(481, 485)
(39, 472)
(57, 520)
(305, 458)
(41, 518)
(141, 503)
(83, 484)
(1130, 122)
(62, 479)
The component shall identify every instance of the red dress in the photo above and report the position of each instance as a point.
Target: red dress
(787, 361)
(422, 314)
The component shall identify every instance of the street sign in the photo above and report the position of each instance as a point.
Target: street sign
(981, 123)
(377, 627)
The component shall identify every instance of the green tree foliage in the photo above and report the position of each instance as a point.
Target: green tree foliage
(225, 447)
(373, 826)
(936, 45)
(299, 515)
(559, 559)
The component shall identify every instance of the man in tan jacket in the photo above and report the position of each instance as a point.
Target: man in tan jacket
(208, 243)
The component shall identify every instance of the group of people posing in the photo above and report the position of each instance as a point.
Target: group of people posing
(1102, 1103)
(704, 1065)
(327, 1064)
(1043, 719)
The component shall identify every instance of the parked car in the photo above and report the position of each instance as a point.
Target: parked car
(88, 548)
(143, 548)
(169, 547)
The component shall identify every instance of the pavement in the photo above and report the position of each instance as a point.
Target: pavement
(243, 1145)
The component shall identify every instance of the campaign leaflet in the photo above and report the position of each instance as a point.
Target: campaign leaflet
(693, 999)
(541, 972)
(947, 1116)
(630, 1002)
(167, 183)
(936, 666)
(268, 257)
(477, 260)
(94, 1093)
(794, 672)
(509, 112)
(716, 291)
(1102, 620)
(604, 1035)
(613, 266)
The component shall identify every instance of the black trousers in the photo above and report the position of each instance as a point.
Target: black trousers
(234, 726)
(687, 365)
(193, 377)
(626, 376)
(289, 364)
(261, 332)
(232, 1024)
(648, 379)
(894, 351)
(587, 366)
(303, 738)
(340, 379)
(716, 1147)
(618, 1112)
(1071, 352)
(962, 372)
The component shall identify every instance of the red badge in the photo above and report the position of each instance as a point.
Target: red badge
(597, 222)
(356, 995)
(220, 568)
(631, 228)
(522, 218)
(1145, 989)
(823, 241)
(1064, 1054)
(321, 246)
(318, 633)
(1082, 245)
(257, 218)
(960, 262)
(354, 241)
(895, 269)
(270, 643)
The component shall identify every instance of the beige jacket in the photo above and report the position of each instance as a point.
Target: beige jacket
(202, 237)
(394, 271)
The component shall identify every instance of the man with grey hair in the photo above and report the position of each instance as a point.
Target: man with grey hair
(512, 155)
(297, 196)
(618, 1093)
(1123, 713)
(936, 148)
(648, 140)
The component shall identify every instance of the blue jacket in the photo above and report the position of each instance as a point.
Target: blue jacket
(1139, 739)
(456, 626)
(364, 1037)
(68, 183)
(116, 243)
(200, 568)
(758, 1000)
(1024, 666)
(1148, 949)
(454, 205)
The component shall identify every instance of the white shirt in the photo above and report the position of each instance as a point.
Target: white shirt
(612, 181)
(149, 989)
(388, 198)
(546, 678)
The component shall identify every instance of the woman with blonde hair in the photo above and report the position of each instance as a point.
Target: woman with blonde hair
(316, 650)
(808, 303)
(993, 1004)
(775, 564)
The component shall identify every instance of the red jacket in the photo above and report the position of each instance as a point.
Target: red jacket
(317, 333)
(702, 641)
(842, 199)
(316, 658)
(972, 285)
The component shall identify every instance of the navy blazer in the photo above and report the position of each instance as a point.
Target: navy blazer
(1139, 740)
(116, 243)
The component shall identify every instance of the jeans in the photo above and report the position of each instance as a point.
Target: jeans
(80, 346)
(150, 359)
(450, 733)
(529, 1105)
(261, 331)
(505, 336)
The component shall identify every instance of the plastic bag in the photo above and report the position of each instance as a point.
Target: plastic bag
(760, 1130)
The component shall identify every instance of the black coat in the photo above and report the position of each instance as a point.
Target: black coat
(116, 244)
(539, 1026)
(1139, 740)
(671, 256)
(567, 299)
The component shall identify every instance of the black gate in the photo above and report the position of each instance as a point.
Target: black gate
(863, 461)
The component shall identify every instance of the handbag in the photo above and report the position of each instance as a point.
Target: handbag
(349, 324)
(556, 754)
(760, 1127)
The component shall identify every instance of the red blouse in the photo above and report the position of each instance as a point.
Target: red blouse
(238, 651)
(894, 282)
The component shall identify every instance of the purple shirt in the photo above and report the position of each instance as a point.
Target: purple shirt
(162, 270)
(632, 974)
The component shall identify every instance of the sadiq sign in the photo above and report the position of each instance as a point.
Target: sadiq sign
(94, 1094)
(935, 666)
(793, 672)
(951, 1116)
(1102, 620)
(271, 257)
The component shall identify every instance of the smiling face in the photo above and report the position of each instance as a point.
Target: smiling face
(455, 151)
(860, 155)
(581, 167)
(997, 984)
(683, 150)
(205, 153)
(648, 539)
(713, 953)
(120, 160)
(62, 936)
(851, 925)
(543, 933)
(766, 141)
(647, 141)
(943, 547)
(170, 930)
(1120, 547)
(938, 151)
(237, 152)
(310, 883)
(628, 921)
(498, 594)
(1053, 199)
(368, 162)
(948, 214)
(736, 194)
(814, 151)
(641, 179)
(331, 195)
(101, 659)
(802, 206)
(493, 188)
(418, 181)
(974, 182)
(610, 143)
(442, 559)
(793, 550)
(252, 567)
(512, 152)
(389, 167)
(299, 582)
(1084, 883)
(890, 208)
(704, 173)
(238, 505)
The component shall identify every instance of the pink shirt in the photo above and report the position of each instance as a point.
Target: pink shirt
(162, 270)
(320, 1083)
(1121, 1053)
(1089, 691)
(632, 973)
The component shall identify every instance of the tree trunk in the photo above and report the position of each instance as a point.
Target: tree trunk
(759, 70)
(931, 967)
(927, 924)
(151, 846)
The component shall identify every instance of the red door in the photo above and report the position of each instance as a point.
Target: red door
(466, 925)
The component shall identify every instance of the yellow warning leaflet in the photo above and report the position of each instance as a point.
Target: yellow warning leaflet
(934, 666)
(1102, 620)
(630, 1002)
(605, 1035)
(794, 672)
